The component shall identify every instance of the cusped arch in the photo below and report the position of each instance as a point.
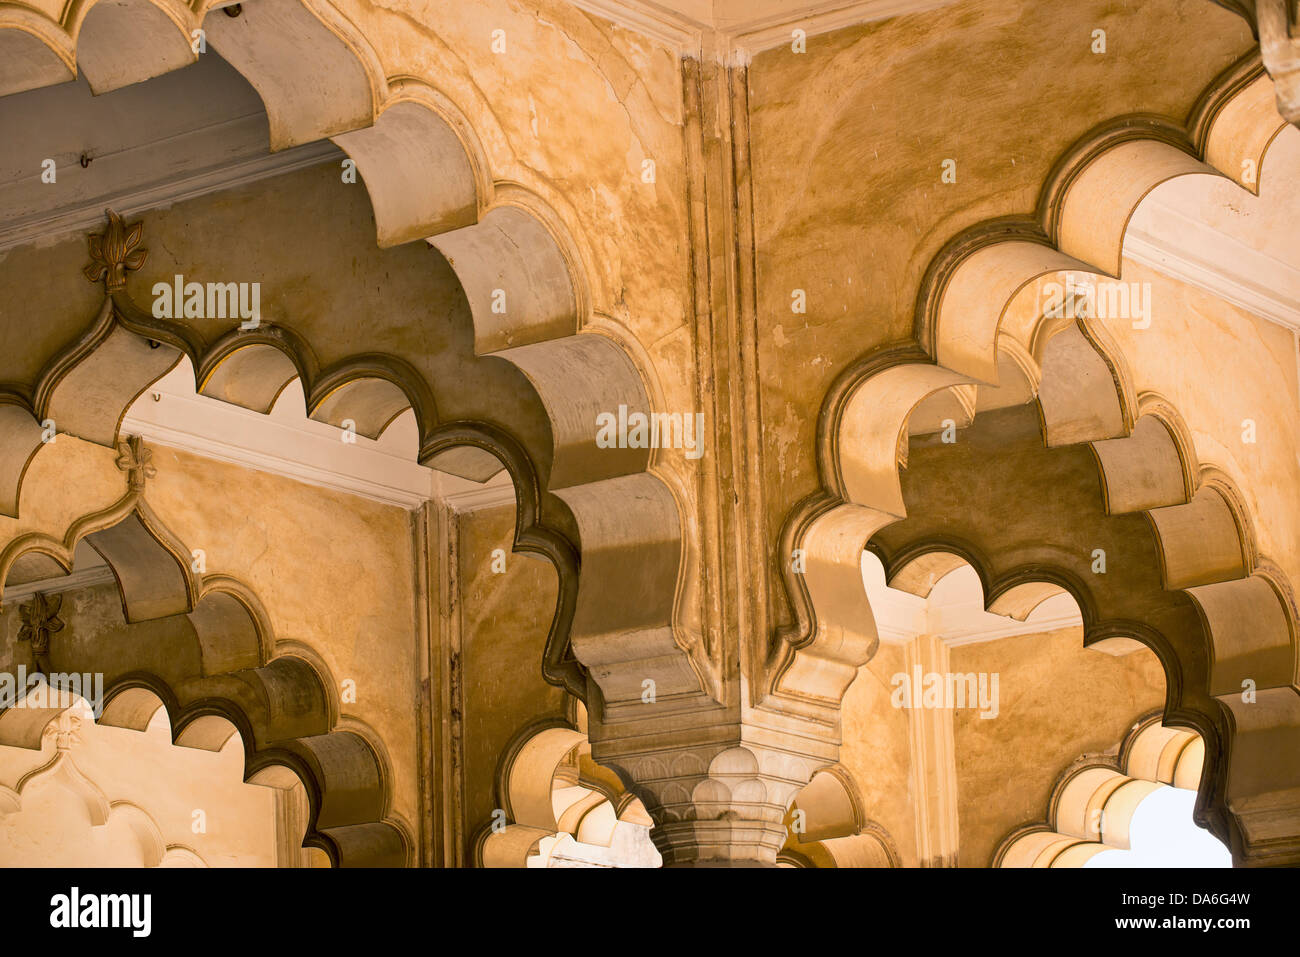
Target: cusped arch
(62, 721)
(151, 567)
(523, 277)
(553, 797)
(284, 743)
(828, 827)
(1014, 593)
(1204, 544)
(236, 679)
(980, 316)
(1092, 804)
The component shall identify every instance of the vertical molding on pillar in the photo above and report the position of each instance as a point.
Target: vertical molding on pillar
(285, 853)
(429, 851)
(720, 206)
(291, 813)
(704, 205)
(933, 758)
(452, 711)
(1296, 336)
(754, 569)
(718, 779)
(437, 540)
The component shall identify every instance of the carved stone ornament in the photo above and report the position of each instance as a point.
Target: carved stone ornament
(65, 730)
(113, 252)
(136, 460)
(40, 620)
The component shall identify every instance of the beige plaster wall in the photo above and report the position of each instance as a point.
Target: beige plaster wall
(333, 571)
(504, 620)
(876, 750)
(848, 142)
(1057, 701)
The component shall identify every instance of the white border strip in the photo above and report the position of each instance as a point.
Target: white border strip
(129, 202)
(1199, 255)
(228, 433)
(741, 36)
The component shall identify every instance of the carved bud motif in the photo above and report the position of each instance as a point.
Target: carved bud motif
(40, 620)
(136, 460)
(113, 252)
(65, 730)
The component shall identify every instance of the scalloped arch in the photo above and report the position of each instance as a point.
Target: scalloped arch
(1092, 804)
(978, 314)
(550, 798)
(281, 704)
(832, 827)
(522, 272)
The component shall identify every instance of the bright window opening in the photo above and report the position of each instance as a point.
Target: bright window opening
(1163, 834)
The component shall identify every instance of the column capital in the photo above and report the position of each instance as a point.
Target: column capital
(717, 783)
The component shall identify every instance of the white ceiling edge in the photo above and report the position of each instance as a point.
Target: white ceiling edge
(739, 29)
(287, 443)
(672, 28)
(171, 415)
(955, 610)
(163, 192)
(1193, 252)
(959, 625)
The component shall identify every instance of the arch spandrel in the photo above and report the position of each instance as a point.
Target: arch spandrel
(214, 670)
(547, 413)
(516, 387)
(1084, 394)
(399, 114)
